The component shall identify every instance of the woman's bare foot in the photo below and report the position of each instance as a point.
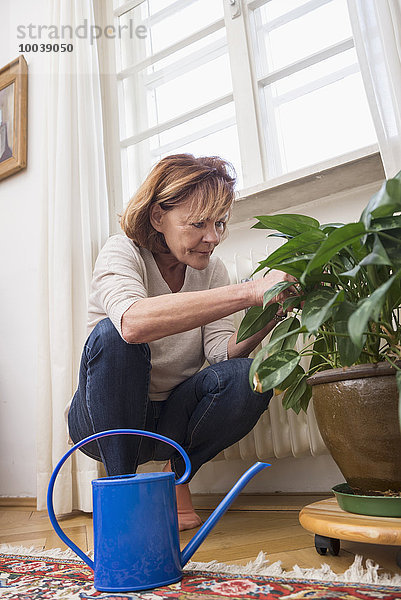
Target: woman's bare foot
(187, 517)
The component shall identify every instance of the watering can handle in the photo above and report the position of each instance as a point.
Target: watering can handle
(95, 436)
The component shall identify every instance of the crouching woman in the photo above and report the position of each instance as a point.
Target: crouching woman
(161, 304)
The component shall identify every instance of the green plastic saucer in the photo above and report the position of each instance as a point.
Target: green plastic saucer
(374, 506)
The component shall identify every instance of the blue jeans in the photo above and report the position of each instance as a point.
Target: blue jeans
(208, 412)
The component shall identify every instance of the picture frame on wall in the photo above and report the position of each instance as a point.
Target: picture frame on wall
(13, 117)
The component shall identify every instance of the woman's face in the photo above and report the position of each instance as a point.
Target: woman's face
(189, 241)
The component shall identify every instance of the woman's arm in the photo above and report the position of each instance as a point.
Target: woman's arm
(151, 319)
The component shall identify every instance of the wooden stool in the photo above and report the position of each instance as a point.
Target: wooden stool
(330, 524)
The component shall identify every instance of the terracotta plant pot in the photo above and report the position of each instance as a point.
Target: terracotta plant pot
(357, 413)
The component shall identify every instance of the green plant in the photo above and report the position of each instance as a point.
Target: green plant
(349, 296)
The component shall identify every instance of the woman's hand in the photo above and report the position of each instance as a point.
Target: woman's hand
(265, 283)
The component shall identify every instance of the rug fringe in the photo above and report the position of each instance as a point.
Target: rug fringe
(32, 551)
(356, 573)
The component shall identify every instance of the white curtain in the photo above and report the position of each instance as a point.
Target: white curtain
(74, 227)
(376, 27)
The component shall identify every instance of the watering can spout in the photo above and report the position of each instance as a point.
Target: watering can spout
(199, 537)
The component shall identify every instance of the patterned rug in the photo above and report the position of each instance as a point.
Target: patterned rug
(25, 577)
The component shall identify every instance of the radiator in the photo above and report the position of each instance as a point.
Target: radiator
(279, 433)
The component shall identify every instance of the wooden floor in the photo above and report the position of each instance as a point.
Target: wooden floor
(253, 523)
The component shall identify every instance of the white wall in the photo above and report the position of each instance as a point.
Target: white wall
(19, 248)
(19, 251)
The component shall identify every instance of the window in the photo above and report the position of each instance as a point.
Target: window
(272, 86)
(311, 92)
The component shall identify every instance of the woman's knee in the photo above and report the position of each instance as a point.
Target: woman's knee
(105, 337)
(233, 378)
(232, 373)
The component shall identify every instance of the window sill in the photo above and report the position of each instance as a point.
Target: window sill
(301, 187)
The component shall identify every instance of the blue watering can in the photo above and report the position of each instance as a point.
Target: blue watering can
(135, 523)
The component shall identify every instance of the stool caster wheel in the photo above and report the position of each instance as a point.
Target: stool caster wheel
(322, 544)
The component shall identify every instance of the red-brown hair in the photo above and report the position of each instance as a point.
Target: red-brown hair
(207, 180)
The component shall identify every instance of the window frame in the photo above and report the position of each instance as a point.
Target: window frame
(256, 156)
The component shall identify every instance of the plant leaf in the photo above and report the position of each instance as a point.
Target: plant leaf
(255, 319)
(265, 351)
(378, 256)
(349, 352)
(385, 223)
(318, 307)
(294, 393)
(328, 227)
(273, 370)
(290, 379)
(284, 335)
(277, 235)
(368, 308)
(294, 266)
(393, 188)
(392, 246)
(336, 241)
(305, 398)
(384, 203)
(288, 224)
(260, 356)
(352, 272)
(359, 248)
(301, 243)
(395, 295)
(275, 290)
(319, 348)
(290, 303)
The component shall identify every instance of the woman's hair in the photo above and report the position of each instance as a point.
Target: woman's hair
(208, 181)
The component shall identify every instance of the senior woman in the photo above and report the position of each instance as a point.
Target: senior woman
(161, 304)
